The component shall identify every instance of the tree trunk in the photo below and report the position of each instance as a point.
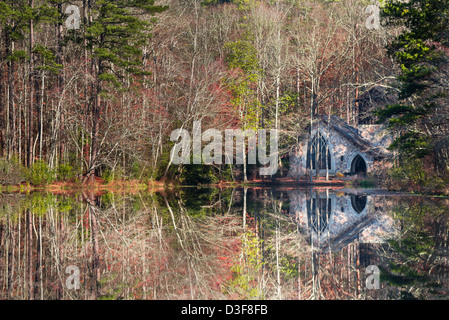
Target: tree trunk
(60, 59)
(95, 126)
(10, 128)
(31, 94)
(30, 255)
(2, 108)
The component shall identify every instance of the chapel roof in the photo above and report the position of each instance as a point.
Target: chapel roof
(350, 133)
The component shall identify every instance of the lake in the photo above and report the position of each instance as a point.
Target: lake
(229, 243)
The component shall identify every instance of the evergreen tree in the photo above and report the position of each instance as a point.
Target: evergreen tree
(14, 20)
(421, 118)
(115, 36)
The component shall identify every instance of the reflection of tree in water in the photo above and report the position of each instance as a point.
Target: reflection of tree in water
(148, 246)
(126, 247)
(293, 268)
(341, 274)
(416, 265)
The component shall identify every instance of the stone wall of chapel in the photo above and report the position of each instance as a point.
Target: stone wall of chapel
(343, 152)
(377, 135)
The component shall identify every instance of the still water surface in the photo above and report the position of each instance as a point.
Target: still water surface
(210, 243)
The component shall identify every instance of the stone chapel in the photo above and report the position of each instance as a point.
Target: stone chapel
(332, 147)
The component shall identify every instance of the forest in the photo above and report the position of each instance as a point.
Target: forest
(91, 90)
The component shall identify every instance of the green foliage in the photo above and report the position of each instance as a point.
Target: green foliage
(417, 251)
(412, 145)
(195, 201)
(40, 173)
(65, 172)
(368, 184)
(289, 268)
(47, 59)
(194, 174)
(244, 4)
(18, 12)
(143, 172)
(38, 203)
(226, 173)
(245, 270)
(288, 102)
(420, 51)
(15, 17)
(411, 175)
(117, 34)
(242, 54)
(108, 175)
(17, 55)
(241, 4)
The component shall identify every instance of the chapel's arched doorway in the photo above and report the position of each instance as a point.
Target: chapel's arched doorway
(358, 202)
(358, 165)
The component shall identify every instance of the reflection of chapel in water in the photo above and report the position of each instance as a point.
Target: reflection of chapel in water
(333, 220)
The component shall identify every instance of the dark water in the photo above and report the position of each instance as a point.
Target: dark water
(254, 243)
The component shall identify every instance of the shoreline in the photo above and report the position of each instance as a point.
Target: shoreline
(100, 186)
(137, 184)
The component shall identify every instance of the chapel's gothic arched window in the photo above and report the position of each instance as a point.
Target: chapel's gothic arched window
(318, 214)
(318, 153)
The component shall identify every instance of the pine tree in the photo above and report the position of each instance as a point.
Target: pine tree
(115, 36)
(421, 118)
(14, 19)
